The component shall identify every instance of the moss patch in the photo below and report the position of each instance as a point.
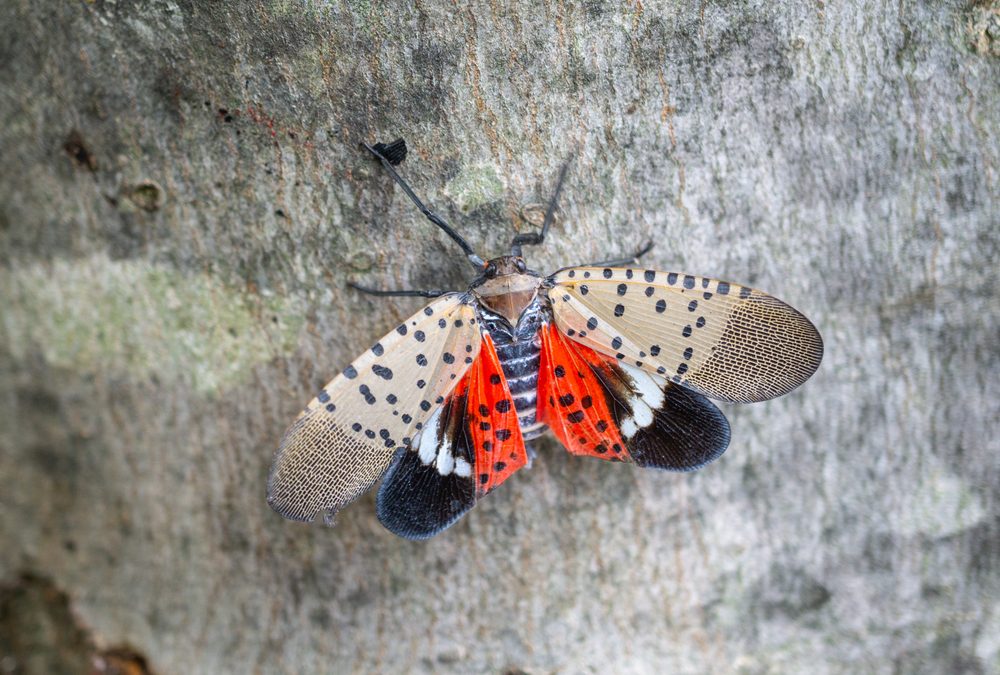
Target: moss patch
(143, 319)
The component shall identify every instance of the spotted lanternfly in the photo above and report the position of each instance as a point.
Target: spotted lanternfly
(617, 361)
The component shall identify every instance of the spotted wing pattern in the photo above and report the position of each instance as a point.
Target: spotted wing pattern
(600, 407)
(722, 340)
(470, 445)
(344, 440)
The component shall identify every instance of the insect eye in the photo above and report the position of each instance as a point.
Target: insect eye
(521, 267)
(491, 271)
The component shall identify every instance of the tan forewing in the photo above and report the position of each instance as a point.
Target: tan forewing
(723, 340)
(344, 440)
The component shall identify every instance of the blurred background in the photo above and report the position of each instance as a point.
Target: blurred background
(183, 199)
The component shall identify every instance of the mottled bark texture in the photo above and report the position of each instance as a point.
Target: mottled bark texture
(183, 200)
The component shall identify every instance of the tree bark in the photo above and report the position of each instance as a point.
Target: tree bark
(184, 198)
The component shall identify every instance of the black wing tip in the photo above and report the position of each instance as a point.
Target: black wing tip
(689, 433)
(394, 152)
(414, 503)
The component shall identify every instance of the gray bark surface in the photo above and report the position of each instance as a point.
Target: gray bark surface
(183, 199)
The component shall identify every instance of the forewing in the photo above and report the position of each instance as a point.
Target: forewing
(344, 440)
(600, 407)
(469, 446)
(722, 340)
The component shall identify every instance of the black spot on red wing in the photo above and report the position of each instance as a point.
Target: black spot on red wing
(566, 399)
(350, 373)
(377, 349)
(502, 434)
(661, 306)
(559, 371)
(601, 426)
(503, 405)
(483, 410)
(484, 426)
(616, 447)
(401, 329)
(499, 466)
(488, 446)
(586, 402)
(484, 478)
(495, 379)
(600, 448)
(622, 288)
(575, 417)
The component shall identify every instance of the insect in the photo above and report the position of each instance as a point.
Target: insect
(617, 360)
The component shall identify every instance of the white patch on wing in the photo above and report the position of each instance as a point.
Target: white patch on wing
(462, 468)
(628, 427)
(646, 386)
(445, 460)
(428, 441)
(641, 413)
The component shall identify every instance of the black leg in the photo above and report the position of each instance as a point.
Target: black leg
(393, 294)
(634, 260)
(430, 215)
(535, 238)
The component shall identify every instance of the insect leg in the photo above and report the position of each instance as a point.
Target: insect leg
(398, 293)
(534, 238)
(398, 153)
(617, 262)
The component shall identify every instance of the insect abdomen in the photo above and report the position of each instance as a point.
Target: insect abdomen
(519, 360)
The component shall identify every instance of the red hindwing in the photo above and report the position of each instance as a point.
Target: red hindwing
(491, 420)
(571, 398)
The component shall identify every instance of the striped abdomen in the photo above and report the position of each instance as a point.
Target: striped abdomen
(519, 360)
